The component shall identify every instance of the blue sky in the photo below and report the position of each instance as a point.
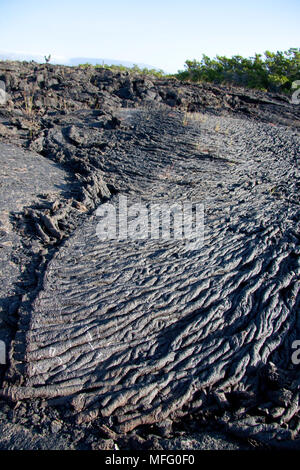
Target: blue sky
(161, 33)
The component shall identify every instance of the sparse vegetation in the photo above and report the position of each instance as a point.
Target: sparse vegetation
(28, 103)
(122, 68)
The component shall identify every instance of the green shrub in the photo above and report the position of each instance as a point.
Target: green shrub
(273, 72)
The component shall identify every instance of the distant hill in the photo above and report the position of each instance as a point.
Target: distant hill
(95, 61)
(72, 61)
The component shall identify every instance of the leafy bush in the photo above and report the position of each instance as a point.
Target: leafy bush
(273, 72)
